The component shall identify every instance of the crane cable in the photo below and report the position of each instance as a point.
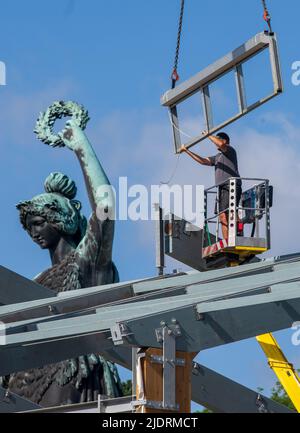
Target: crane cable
(267, 16)
(175, 76)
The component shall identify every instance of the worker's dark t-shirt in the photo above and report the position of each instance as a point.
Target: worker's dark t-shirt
(226, 165)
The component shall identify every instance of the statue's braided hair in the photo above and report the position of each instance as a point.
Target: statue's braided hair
(57, 206)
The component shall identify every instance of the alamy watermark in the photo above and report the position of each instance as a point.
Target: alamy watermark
(2, 74)
(296, 334)
(296, 73)
(137, 202)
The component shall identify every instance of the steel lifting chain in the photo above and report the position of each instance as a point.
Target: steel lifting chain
(267, 16)
(175, 76)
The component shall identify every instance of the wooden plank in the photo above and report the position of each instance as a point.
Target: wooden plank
(153, 382)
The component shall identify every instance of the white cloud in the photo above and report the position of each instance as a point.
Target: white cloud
(19, 111)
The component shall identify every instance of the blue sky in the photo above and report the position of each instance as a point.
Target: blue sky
(116, 58)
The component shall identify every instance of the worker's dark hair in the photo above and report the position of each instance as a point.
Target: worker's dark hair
(224, 136)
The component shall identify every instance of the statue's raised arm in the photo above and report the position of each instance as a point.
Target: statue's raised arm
(95, 177)
(94, 251)
(96, 246)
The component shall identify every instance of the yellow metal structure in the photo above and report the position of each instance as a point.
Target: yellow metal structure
(277, 361)
(284, 370)
(244, 252)
(251, 249)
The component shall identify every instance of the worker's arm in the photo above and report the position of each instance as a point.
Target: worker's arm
(197, 158)
(219, 142)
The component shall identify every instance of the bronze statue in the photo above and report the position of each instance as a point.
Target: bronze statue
(81, 256)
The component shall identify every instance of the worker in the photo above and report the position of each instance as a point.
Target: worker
(226, 166)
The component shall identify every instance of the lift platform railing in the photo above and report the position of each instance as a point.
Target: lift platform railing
(253, 209)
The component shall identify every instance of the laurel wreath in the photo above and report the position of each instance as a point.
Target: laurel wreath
(59, 109)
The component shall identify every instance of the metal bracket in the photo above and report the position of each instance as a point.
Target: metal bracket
(160, 360)
(260, 403)
(155, 405)
(173, 329)
(115, 405)
(199, 316)
(52, 310)
(280, 364)
(176, 228)
(159, 240)
(167, 335)
(195, 369)
(7, 397)
(118, 332)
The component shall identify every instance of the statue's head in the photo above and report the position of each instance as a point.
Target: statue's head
(48, 217)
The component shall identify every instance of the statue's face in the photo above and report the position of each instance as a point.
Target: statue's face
(43, 233)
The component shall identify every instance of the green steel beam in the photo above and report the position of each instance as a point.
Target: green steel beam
(211, 313)
(67, 302)
(110, 314)
(223, 395)
(11, 403)
(203, 326)
(25, 357)
(14, 288)
(212, 324)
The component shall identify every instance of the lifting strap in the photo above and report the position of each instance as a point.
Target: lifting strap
(175, 78)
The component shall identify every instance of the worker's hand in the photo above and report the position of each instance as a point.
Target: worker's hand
(182, 149)
(204, 132)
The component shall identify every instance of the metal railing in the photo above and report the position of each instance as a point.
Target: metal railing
(254, 206)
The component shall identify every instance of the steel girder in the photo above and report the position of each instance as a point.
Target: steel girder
(10, 403)
(211, 309)
(14, 288)
(223, 395)
(209, 315)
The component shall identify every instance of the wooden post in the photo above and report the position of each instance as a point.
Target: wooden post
(152, 374)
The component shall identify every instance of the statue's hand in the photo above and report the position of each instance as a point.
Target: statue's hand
(73, 136)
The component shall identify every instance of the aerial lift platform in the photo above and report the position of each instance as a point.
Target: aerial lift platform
(254, 210)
